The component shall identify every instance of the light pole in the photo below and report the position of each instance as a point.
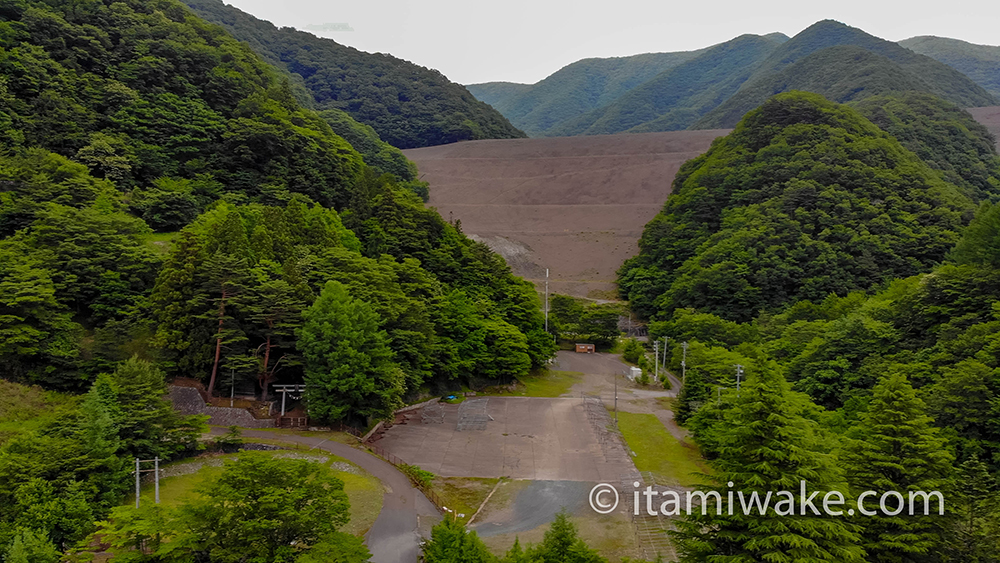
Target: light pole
(684, 346)
(546, 299)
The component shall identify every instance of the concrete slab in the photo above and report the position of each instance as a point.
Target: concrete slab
(527, 438)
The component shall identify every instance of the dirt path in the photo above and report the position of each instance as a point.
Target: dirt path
(394, 537)
(599, 374)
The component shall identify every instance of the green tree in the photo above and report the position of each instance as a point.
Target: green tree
(975, 535)
(31, 546)
(260, 510)
(38, 339)
(146, 421)
(562, 544)
(980, 242)
(349, 371)
(770, 447)
(600, 322)
(897, 449)
(451, 543)
(274, 308)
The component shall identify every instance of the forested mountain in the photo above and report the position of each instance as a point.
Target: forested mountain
(168, 207)
(497, 93)
(844, 64)
(714, 87)
(171, 118)
(784, 251)
(979, 62)
(408, 105)
(676, 98)
(943, 135)
(540, 108)
(805, 198)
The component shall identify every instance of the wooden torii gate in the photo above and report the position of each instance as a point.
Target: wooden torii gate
(294, 389)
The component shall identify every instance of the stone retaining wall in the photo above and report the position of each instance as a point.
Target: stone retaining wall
(188, 400)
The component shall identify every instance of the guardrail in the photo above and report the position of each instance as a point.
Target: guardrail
(396, 462)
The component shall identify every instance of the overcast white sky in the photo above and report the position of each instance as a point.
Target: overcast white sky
(527, 40)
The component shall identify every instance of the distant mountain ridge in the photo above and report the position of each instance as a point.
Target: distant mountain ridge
(406, 104)
(574, 89)
(979, 62)
(676, 98)
(714, 87)
(845, 64)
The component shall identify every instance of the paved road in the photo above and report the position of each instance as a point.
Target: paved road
(394, 537)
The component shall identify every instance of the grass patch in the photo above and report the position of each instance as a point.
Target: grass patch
(24, 408)
(611, 535)
(659, 452)
(363, 490)
(668, 403)
(547, 384)
(333, 436)
(160, 243)
(464, 495)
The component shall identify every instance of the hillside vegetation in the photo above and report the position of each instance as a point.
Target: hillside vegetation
(539, 109)
(678, 97)
(408, 105)
(168, 207)
(714, 88)
(979, 62)
(844, 64)
(805, 198)
(780, 262)
(943, 135)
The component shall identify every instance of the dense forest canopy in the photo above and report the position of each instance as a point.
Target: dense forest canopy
(979, 62)
(539, 109)
(676, 98)
(843, 64)
(169, 206)
(408, 105)
(804, 198)
(713, 88)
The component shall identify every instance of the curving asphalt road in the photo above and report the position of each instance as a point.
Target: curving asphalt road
(394, 537)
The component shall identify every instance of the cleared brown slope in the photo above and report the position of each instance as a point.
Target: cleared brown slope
(575, 205)
(990, 118)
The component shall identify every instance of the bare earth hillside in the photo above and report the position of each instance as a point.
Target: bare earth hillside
(575, 205)
(990, 117)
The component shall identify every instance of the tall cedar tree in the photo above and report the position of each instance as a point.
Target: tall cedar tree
(899, 450)
(976, 535)
(769, 448)
(451, 543)
(349, 369)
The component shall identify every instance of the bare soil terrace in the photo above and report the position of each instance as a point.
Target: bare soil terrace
(575, 205)
(990, 117)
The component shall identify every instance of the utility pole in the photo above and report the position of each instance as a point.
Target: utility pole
(739, 376)
(616, 401)
(156, 478)
(665, 339)
(546, 299)
(684, 357)
(656, 364)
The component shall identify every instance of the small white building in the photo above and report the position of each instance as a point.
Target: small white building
(634, 373)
